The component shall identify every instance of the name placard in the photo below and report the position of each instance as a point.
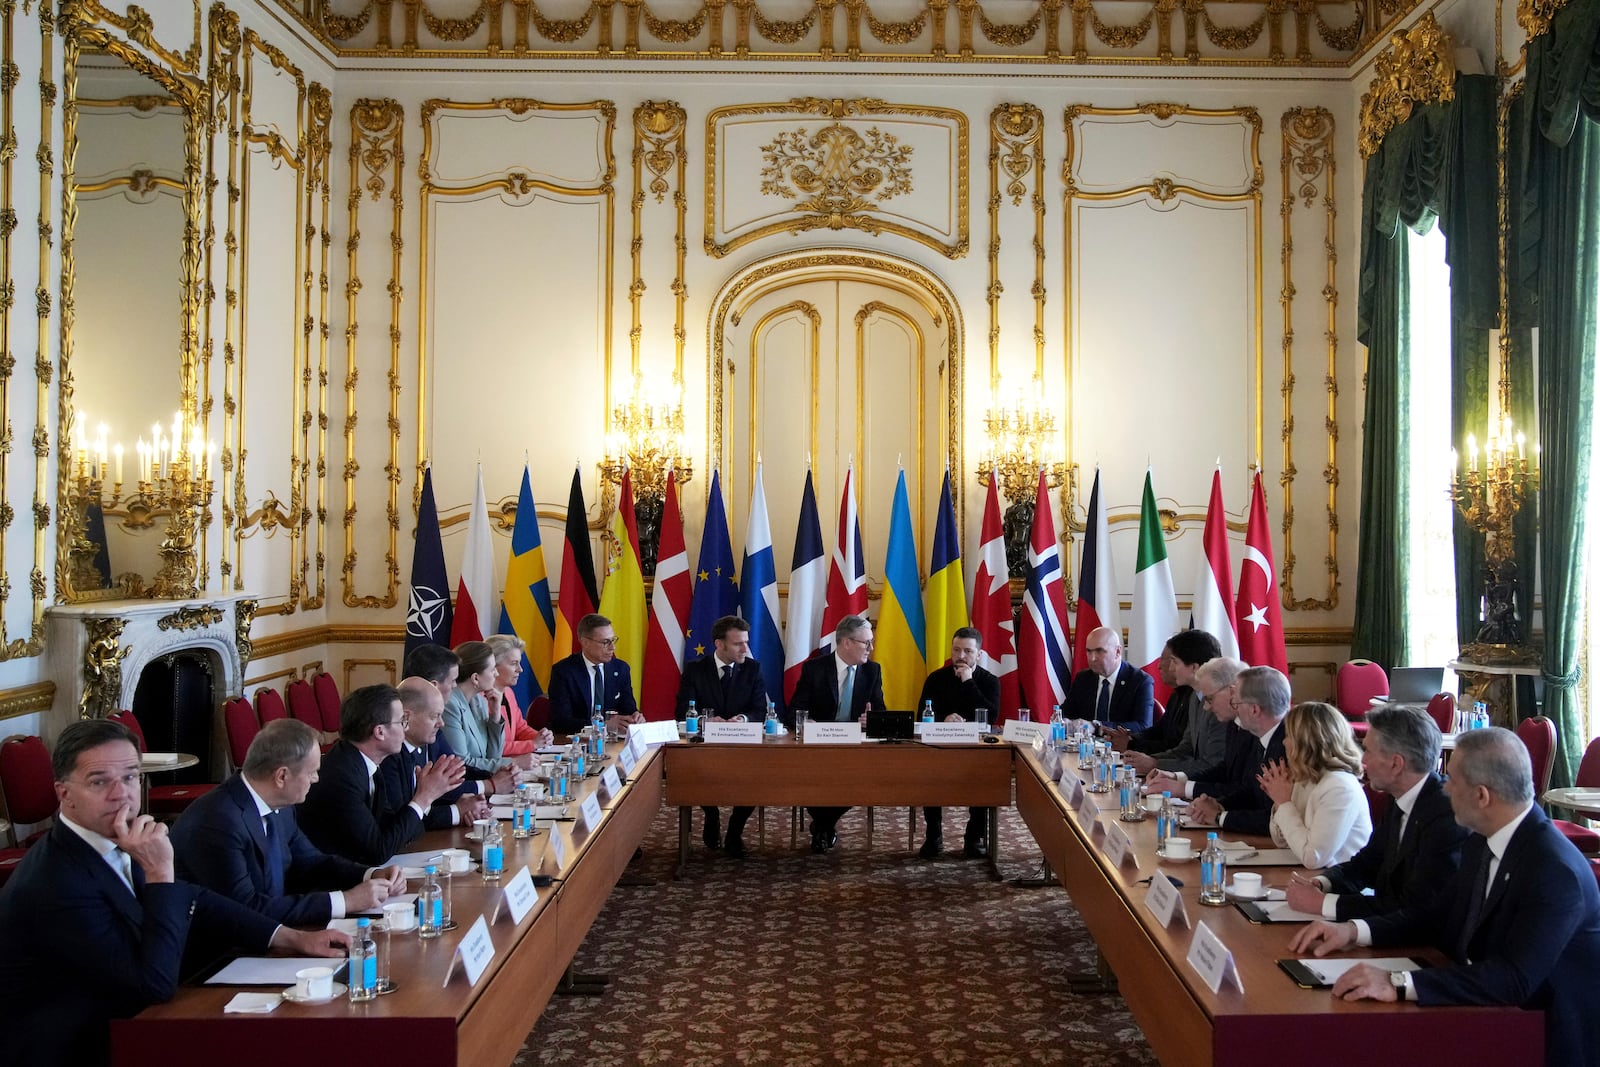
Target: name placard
(1211, 958)
(627, 758)
(610, 782)
(653, 733)
(1119, 846)
(950, 733)
(558, 848)
(1052, 764)
(1088, 810)
(589, 812)
(519, 896)
(1025, 732)
(474, 953)
(1075, 790)
(1164, 901)
(733, 733)
(833, 733)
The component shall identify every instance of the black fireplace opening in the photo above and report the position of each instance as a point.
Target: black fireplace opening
(174, 704)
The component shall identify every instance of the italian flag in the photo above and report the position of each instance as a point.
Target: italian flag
(1155, 605)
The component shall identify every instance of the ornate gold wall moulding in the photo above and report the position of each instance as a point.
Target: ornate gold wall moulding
(1308, 172)
(660, 149)
(1535, 16)
(222, 112)
(139, 28)
(244, 614)
(102, 668)
(1418, 68)
(837, 174)
(315, 330)
(347, 667)
(1016, 155)
(27, 699)
(377, 157)
(193, 617)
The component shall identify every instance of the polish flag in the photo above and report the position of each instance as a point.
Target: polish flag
(1213, 607)
(991, 608)
(1257, 610)
(476, 590)
(847, 577)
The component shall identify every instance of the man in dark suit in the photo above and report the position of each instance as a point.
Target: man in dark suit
(1177, 734)
(839, 688)
(1521, 924)
(345, 813)
(1417, 847)
(592, 677)
(93, 922)
(957, 690)
(397, 776)
(241, 840)
(1110, 691)
(1235, 799)
(725, 685)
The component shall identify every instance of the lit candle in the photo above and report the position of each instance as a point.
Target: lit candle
(1522, 442)
(1455, 462)
(117, 455)
(1472, 452)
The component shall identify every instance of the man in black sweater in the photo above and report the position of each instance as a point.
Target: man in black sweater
(957, 690)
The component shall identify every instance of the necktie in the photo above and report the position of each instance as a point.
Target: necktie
(124, 867)
(275, 859)
(599, 689)
(1102, 704)
(846, 693)
(727, 671)
(1478, 887)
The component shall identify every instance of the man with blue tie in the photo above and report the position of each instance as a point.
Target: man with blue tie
(592, 677)
(241, 839)
(94, 921)
(839, 687)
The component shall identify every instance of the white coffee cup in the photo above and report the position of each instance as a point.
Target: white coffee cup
(480, 827)
(314, 983)
(1178, 848)
(401, 917)
(1152, 803)
(458, 859)
(1246, 884)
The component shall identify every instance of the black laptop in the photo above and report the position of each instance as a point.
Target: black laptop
(891, 725)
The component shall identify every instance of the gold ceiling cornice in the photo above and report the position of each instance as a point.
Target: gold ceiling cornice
(1418, 67)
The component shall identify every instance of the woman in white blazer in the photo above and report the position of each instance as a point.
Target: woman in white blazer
(1319, 810)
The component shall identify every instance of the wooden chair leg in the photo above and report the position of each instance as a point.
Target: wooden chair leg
(872, 823)
(911, 828)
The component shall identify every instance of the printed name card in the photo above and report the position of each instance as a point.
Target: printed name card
(1088, 811)
(1052, 764)
(590, 812)
(519, 897)
(1211, 958)
(733, 733)
(652, 733)
(1119, 846)
(950, 733)
(627, 758)
(833, 733)
(1025, 732)
(1164, 902)
(610, 782)
(1075, 790)
(558, 848)
(474, 953)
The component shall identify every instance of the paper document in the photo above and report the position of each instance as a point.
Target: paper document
(277, 970)
(1328, 971)
(1265, 857)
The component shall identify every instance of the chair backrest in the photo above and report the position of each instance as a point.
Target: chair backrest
(537, 713)
(131, 721)
(1594, 865)
(1589, 766)
(1443, 709)
(269, 705)
(327, 692)
(1158, 711)
(1539, 735)
(303, 703)
(1356, 684)
(27, 780)
(239, 719)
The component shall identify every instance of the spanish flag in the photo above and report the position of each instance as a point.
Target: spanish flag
(901, 628)
(622, 599)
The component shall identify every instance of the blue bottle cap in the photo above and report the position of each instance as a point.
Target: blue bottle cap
(362, 924)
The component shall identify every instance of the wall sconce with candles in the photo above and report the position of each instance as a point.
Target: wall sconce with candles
(1488, 494)
(171, 478)
(1021, 443)
(646, 439)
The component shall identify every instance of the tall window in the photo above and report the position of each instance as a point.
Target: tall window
(1430, 576)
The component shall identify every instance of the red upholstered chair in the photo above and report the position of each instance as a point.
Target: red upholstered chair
(1539, 735)
(239, 718)
(1356, 684)
(1158, 712)
(1594, 865)
(303, 703)
(1442, 707)
(28, 785)
(327, 692)
(1587, 840)
(537, 714)
(9, 858)
(269, 705)
(163, 799)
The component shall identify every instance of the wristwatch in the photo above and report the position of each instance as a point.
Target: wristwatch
(1398, 980)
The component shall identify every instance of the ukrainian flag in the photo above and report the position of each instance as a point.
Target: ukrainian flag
(525, 607)
(946, 594)
(901, 628)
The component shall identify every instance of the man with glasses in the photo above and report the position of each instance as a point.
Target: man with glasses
(1216, 684)
(592, 677)
(94, 921)
(1235, 799)
(345, 813)
(1204, 746)
(397, 778)
(1176, 736)
(839, 688)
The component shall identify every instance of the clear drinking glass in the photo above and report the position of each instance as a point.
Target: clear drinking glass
(800, 716)
(380, 936)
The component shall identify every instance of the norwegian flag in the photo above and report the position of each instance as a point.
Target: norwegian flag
(1045, 650)
(991, 607)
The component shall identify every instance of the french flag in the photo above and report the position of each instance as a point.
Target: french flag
(808, 573)
(1097, 582)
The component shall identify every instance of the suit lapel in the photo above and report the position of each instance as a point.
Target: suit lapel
(99, 873)
(252, 818)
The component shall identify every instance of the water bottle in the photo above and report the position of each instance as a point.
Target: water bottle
(1166, 819)
(363, 963)
(575, 757)
(1128, 794)
(1058, 727)
(772, 725)
(559, 781)
(522, 811)
(1102, 769)
(430, 905)
(598, 721)
(691, 721)
(1085, 750)
(1213, 873)
(494, 855)
(927, 711)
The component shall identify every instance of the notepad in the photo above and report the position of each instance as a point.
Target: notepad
(1320, 974)
(275, 970)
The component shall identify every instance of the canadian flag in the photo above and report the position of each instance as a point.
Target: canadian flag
(1259, 616)
(991, 607)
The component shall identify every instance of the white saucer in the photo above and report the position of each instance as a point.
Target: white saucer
(473, 835)
(293, 997)
(1234, 894)
(1161, 853)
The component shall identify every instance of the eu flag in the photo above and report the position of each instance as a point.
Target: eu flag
(716, 584)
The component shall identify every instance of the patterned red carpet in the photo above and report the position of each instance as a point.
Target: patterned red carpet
(855, 957)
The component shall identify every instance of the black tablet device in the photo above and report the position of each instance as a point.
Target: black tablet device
(891, 725)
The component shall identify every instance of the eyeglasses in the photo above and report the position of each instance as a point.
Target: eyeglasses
(863, 642)
(102, 784)
(403, 721)
(1207, 698)
(603, 642)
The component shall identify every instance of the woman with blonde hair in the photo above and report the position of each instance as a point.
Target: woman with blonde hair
(1319, 810)
(520, 738)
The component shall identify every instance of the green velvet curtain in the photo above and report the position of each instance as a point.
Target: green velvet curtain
(1559, 252)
